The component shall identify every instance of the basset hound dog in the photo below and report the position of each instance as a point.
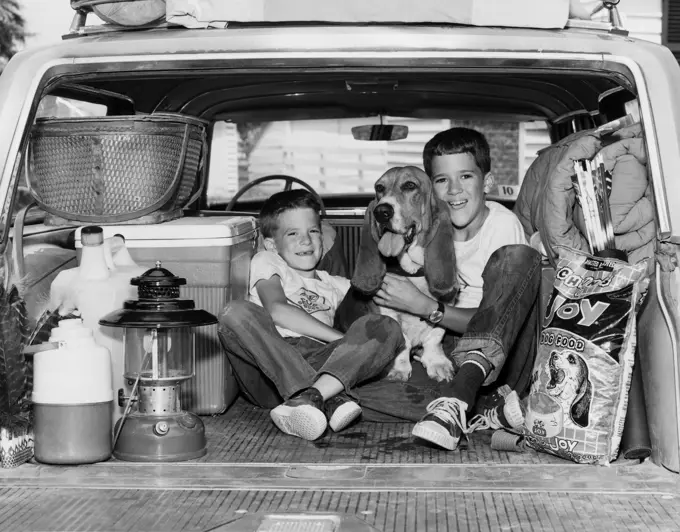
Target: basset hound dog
(570, 386)
(408, 230)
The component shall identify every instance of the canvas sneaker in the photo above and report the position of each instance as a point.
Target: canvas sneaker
(484, 402)
(302, 415)
(444, 424)
(341, 411)
(506, 413)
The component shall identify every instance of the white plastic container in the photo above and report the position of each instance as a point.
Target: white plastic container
(73, 398)
(98, 286)
(213, 253)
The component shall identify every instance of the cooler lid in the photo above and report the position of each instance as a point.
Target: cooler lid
(186, 228)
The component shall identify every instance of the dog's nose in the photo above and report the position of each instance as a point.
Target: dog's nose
(383, 212)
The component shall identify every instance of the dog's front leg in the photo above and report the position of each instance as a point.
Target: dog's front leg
(433, 359)
(401, 368)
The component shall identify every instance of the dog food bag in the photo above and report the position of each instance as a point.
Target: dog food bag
(577, 403)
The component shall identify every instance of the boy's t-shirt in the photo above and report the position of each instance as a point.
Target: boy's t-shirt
(501, 228)
(319, 297)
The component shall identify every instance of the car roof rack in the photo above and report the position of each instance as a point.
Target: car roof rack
(609, 22)
(83, 8)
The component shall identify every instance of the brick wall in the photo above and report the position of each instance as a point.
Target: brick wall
(503, 139)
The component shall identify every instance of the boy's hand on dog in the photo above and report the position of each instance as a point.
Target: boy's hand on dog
(399, 293)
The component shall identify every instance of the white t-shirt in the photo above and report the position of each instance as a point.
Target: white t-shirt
(501, 228)
(319, 297)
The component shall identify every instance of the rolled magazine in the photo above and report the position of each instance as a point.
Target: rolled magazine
(592, 184)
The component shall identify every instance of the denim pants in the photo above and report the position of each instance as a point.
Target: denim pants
(504, 329)
(270, 368)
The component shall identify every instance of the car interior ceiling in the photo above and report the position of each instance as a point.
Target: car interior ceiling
(567, 101)
(301, 95)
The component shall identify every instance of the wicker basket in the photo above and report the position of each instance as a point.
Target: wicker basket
(118, 168)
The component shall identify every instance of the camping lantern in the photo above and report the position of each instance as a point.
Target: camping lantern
(159, 330)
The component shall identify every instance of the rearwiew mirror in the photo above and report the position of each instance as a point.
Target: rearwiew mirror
(380, 132)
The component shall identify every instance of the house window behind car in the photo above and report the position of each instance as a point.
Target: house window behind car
(324, 154)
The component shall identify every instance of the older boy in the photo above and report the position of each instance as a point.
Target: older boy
(282, 344)
(492, 322)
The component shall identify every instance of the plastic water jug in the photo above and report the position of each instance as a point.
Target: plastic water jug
(99, 285)
(73, 398)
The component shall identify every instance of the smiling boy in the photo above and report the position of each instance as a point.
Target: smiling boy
(491, 324)
(281, 344)
(458, 162)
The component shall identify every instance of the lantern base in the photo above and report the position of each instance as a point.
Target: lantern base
(169, 438)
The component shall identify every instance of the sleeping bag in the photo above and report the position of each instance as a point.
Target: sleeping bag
(547, 200)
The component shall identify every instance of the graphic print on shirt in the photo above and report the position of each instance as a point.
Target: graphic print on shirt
(309, 301)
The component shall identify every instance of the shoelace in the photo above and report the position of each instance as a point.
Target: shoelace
(450, 410)
(487, 420)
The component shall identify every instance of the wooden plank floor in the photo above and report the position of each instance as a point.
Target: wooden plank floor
(245, 434)
(370, 477)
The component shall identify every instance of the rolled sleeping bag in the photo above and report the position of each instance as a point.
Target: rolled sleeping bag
(547, 200)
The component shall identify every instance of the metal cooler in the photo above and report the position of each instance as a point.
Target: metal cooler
(213, 254)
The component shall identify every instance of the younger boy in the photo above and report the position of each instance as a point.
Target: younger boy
(281, 343)
(492, 322)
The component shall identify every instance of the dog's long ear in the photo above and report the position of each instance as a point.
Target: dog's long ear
(440, 255)
(580, 408)
(431, 207)
(370, 268)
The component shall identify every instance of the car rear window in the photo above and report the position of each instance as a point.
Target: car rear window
(324, 153)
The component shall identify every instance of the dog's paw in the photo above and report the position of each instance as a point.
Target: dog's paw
(401, 370)
(440, 369)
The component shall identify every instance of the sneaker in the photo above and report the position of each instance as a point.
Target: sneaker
(485, 402)
(507, 414)
(444, 424)
(302, 415)
(341, 411)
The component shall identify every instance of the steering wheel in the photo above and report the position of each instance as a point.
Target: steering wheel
(289, 179)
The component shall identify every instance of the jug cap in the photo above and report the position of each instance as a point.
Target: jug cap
(71, 330)
(92, 235)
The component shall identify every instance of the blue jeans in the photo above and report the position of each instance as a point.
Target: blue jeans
(503, 328)
(270, 368)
